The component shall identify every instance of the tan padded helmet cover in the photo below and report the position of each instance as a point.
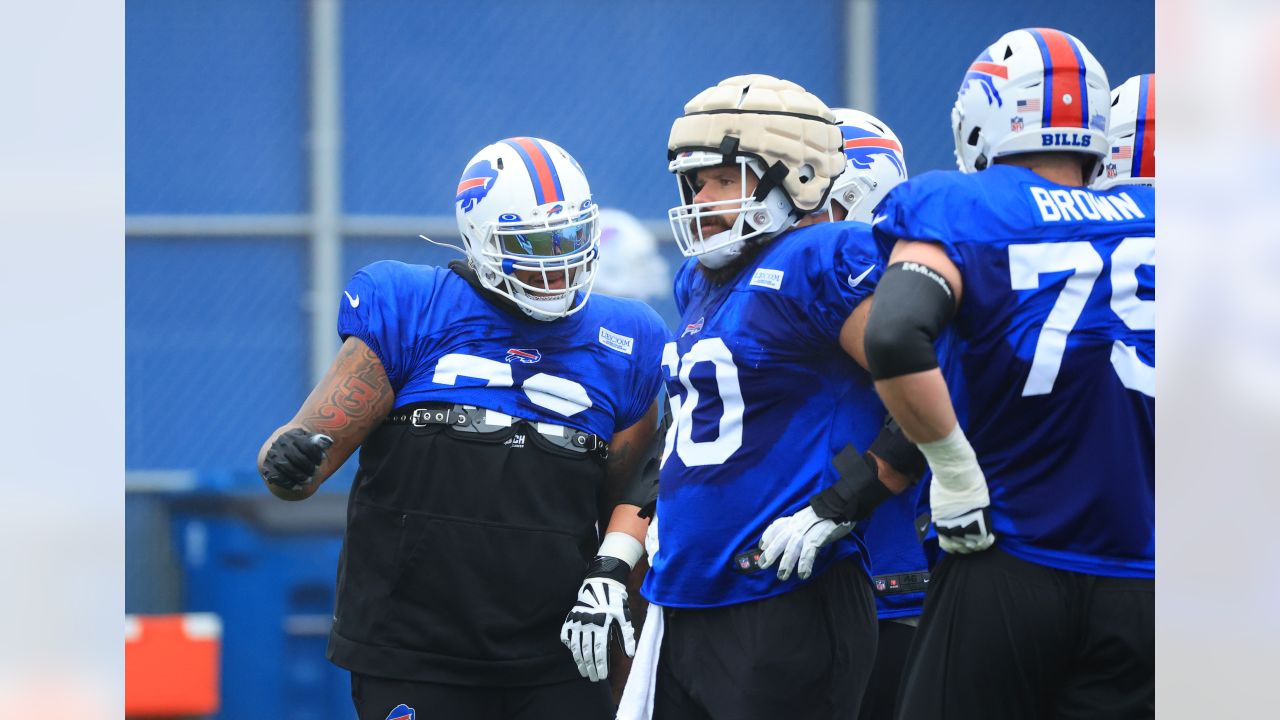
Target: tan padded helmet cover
(807, 135)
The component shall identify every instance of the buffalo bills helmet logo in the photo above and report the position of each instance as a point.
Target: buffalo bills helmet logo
(861, 148)
(984, 71)
(475, 184)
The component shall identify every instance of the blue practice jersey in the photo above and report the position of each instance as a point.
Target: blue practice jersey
(1055, 341)
(762, 398)
(597, 370)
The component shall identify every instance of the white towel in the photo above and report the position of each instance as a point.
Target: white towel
(637, 696)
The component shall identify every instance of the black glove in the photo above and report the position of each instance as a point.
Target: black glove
(293, 458)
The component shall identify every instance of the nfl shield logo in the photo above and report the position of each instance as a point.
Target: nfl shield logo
(1015, 125)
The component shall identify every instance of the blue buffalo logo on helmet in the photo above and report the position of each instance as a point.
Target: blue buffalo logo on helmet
(475, 184)
(527, 356)
(402, 712)
(861, 148)
(984, 71)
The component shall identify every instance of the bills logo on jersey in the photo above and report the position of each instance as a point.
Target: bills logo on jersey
(862, 147)
(402, 712)
(693, 328)
(476, 183)
(527, 356)
(984, 71)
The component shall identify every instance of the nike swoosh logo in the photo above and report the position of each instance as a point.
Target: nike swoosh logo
(853, 281)
(877, 219)
(355, 301)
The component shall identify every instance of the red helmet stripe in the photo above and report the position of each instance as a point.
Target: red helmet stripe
(542, 173)
(1148, 120)
(1064, 77)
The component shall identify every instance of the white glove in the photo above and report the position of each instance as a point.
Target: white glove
(958, 496)
(602, 603)
(651, 539)
(798, 537)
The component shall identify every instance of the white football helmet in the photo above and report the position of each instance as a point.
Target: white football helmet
(1132, 141)
(630, 265)
(1034, 90)
(524, 206)
(786, 137)
(874, 164)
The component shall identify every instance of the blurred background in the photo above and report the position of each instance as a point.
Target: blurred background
(273, 147)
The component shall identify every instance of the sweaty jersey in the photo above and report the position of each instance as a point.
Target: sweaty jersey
(1055, 341)
(762, 398)
(439, 340)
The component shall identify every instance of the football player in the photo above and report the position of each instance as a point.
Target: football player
(1042, 606)
(900, 570)
(771, 411)
(1131, 142)
(496, 409)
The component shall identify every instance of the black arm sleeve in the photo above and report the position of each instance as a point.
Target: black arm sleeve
(893, 447)
(913, 303)
(859, 490)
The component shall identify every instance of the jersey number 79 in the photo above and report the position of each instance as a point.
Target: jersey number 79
(1028, 262)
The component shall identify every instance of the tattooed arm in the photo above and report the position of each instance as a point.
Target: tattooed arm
(347, 405)
(627, 455)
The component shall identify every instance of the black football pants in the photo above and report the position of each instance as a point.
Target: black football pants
(804, 654)
(1005, 638)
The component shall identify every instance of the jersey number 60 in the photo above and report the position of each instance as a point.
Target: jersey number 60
(729, 436)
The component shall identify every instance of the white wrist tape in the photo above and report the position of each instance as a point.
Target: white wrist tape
(958, 483)
(622, 546)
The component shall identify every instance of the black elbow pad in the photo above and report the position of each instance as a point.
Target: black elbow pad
(912, 305)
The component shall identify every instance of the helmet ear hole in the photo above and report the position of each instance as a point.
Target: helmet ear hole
(974, 135)
(980, 163)
(806, 173)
